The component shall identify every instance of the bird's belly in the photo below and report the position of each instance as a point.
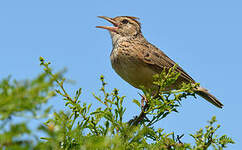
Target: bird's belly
(134, 72)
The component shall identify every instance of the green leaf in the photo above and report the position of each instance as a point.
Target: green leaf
(136, 102)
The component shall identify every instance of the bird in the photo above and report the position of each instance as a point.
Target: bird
(136, 60)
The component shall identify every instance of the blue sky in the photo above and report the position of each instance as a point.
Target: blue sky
(204, 37)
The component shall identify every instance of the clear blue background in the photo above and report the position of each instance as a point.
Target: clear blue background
(204, 37)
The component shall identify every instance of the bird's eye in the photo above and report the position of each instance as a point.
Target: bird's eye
(125, 21)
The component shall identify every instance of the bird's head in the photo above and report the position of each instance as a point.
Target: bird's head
(124, 26)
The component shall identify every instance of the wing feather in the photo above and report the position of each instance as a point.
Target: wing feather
(158, 60)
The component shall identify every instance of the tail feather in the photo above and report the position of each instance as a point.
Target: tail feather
(209, 97)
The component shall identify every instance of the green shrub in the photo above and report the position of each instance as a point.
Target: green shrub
(88, 127)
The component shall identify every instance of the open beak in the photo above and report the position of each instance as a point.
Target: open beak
(114, 29)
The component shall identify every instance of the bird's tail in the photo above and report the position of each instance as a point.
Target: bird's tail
(209, 97)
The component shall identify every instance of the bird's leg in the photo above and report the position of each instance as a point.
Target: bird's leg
(144, 107)
(142, 115)
(143, 99)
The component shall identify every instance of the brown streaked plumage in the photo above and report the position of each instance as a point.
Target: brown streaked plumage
(136, 60)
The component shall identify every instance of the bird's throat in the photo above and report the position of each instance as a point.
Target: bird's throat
(115, 38)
